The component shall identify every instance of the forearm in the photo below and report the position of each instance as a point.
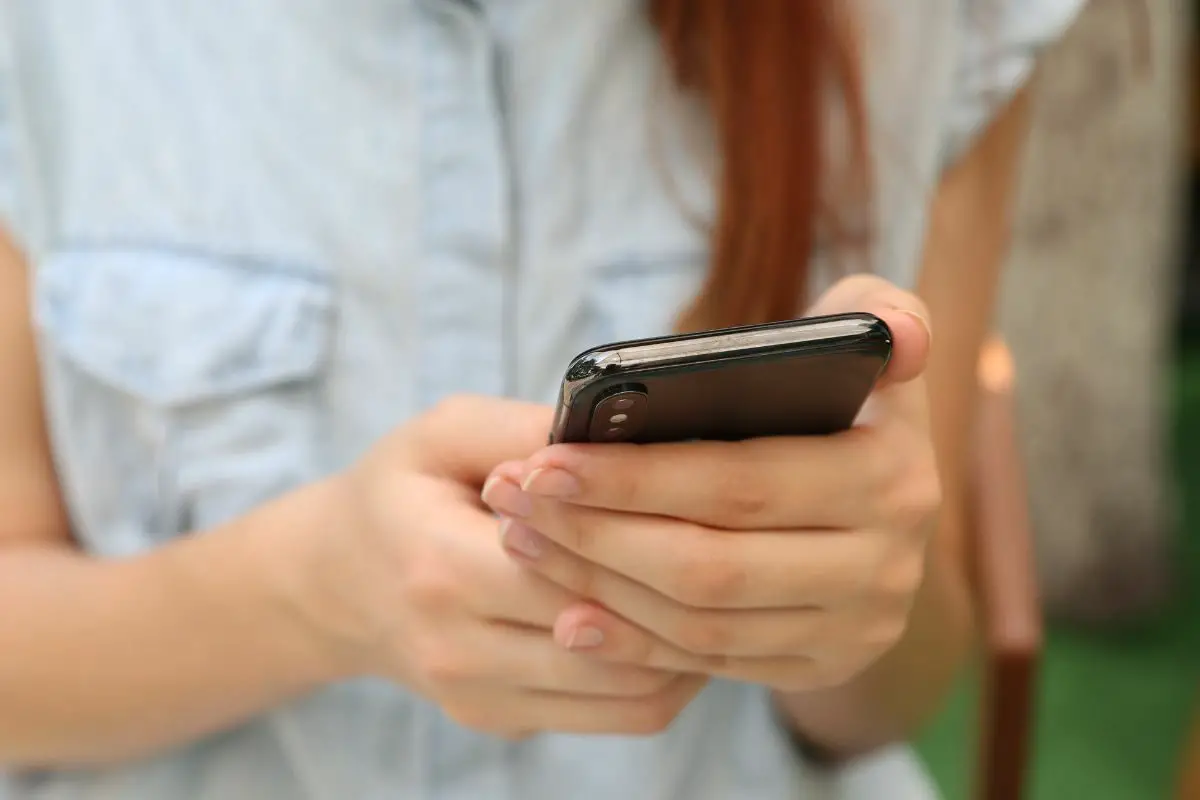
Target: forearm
(890, 700)
(106, 661)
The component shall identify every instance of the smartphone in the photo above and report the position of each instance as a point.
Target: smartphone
(804, 377)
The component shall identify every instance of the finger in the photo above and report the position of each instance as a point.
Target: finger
(628, 716)
(899, 394)
(696, 566)
(512, 594)
(470, 568)
(695, 631)
(598, 632)
(507, 656)
(573, 714)
(903, 312)
(770, 483)
(614, 640)
(465, 436)
(901, 398)
(511, 471)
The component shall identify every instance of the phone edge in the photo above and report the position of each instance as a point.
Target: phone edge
(620, 358)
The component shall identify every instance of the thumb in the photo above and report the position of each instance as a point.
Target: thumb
(903, 312)
(464, 437)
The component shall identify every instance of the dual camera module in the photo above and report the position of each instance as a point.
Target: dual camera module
(619, 415)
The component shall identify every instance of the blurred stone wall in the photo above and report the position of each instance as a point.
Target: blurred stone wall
(1089, 304)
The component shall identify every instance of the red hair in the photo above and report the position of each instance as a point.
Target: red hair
(770, 71)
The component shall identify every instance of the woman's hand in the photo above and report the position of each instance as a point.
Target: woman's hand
(789, 562)
(412, 584)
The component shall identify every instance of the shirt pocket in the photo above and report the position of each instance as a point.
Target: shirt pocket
(182, 388)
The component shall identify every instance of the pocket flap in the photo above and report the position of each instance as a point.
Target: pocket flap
(175, 327)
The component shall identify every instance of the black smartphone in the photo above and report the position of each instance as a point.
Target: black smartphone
(802, 377)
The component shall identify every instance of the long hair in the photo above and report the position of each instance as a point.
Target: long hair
(772, 72)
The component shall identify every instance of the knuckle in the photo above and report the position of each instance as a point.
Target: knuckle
(907, 510)
(645, 683)
(574, 530)
(623, 487)
(450, 409)
(582, 536)
(877, 626)
(439, 663)
(442, 419)
(743, 496)
(718, 584)
(432, 585)
(708, 574)
(582, 578)
(900, 580)
(929, 491)
(914, 495)
(701, 635)
(885, 633)
(638, 647)
(881, 460)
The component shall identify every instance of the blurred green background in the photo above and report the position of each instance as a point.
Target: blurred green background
(1113, 707)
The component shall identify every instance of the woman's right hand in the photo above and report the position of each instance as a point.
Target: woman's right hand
(405, 578)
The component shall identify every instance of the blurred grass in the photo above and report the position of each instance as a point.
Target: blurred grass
(1113, 707)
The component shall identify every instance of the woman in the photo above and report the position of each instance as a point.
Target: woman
(272, 265)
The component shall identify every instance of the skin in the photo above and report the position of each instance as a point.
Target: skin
(858, 615)
(395, 568)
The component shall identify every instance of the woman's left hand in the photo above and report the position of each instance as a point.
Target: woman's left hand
(788, 562)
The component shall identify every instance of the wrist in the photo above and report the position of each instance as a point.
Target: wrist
(314, 577)
(251, 573)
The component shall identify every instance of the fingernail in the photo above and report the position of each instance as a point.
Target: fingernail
(921, 320)
(584, 639)
(506, 498)
(521, 539)
(551, 482)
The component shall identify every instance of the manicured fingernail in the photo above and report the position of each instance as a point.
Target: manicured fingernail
(521, 539)
(506, 498)
(924, 323)
(584, 638)
(551, 482)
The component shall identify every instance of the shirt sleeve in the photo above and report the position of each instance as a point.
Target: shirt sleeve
(1000, 41)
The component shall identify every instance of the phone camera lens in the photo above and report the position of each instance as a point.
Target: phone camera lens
(620, 415)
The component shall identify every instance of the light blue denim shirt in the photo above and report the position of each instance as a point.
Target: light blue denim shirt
(265, 232)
